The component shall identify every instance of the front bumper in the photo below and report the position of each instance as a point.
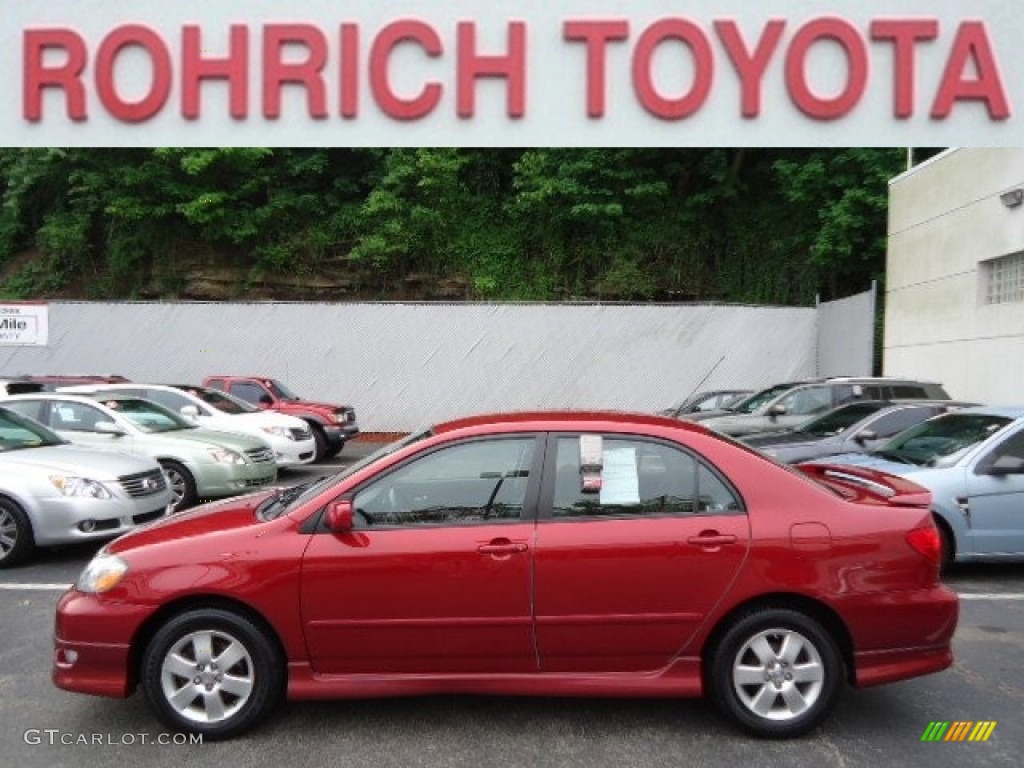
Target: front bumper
(215, 480)
(67, 519)
(339, 434)
(92, 645)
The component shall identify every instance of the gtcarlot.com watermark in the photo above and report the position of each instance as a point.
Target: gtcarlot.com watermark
(55, 736)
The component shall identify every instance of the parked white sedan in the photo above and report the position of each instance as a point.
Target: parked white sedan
(289, 437)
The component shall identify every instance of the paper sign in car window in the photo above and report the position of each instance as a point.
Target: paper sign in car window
(621, 484)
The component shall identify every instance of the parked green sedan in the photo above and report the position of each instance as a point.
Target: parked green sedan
(200, 464)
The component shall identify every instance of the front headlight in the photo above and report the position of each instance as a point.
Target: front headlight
(279, 431)
(69, 485)
(226, 456)
(102, 574)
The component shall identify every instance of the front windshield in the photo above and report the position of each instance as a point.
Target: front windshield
(147, 415)
(281, 392)
(759, 399)
(840, 419)
(943, 440)
(222, 401)
(299, 495)
(18, 432)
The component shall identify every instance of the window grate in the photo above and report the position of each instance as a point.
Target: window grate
(1005, 279)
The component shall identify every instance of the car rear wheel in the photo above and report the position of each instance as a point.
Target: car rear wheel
(16, 539)
(776, 673)
(212, 672)
(183, 485)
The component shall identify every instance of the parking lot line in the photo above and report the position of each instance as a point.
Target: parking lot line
(31, 587)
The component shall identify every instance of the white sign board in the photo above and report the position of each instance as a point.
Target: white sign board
(24, 325)
(529, 73)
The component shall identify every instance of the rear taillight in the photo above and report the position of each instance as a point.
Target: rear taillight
(926, 542)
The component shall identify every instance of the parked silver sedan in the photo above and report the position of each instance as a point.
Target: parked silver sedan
(55, 493)
(201, 464)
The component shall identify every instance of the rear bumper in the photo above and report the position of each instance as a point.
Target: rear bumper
(904, 635)
(878, 667)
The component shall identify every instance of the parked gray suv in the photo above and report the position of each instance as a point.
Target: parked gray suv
(787, 406)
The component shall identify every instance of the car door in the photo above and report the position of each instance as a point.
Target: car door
(625, 574)
(435, 577)
(995, 498)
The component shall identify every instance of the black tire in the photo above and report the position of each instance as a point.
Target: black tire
(16, 539)
(779, 691)
(947, 546)
(183, 485)
(333, 451)
(186, 686)
(321, 442)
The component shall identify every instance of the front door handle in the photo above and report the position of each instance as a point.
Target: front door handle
(502, 547)
(711, 539)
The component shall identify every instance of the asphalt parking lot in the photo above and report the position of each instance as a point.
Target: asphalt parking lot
(43, 726)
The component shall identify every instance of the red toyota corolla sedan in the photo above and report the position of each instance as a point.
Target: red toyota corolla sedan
(570, 554)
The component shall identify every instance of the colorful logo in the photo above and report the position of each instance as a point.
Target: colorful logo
(958, 730)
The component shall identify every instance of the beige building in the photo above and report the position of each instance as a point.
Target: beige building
(955, 274)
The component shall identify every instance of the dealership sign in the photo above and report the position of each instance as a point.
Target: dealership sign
(24, 324)
(532, 72)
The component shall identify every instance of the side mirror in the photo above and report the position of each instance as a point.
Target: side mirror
(190, 412)
(265, 401)
(865, 436)
(777, 410)
(108, 428)
(340, 516)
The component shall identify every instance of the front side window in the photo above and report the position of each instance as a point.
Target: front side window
(638, 477)
(75, 417)
(1008, 456)
(251, 393)
(475, 482)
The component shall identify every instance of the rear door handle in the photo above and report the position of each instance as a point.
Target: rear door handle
(712, 540)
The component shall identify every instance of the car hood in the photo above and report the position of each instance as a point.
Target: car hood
(76, 460)
(268, 419)
(202, 436)
(311, 404)
(217, 518)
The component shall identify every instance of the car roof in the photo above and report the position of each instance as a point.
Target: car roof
(566, 419)
(1006, 411)
(77, 397)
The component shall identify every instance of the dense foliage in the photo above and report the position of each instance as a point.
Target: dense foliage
(739, 225)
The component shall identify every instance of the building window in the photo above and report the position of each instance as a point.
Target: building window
(1005, 279)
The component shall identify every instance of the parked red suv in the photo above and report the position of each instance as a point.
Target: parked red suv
(332, 424)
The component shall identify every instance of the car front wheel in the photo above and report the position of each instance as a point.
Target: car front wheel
(212, 672)
(16, 540)
(776, 673)
(183, 485)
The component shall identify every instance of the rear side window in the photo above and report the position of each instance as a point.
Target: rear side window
(216, 384)
(908, 391)
(638, 478)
